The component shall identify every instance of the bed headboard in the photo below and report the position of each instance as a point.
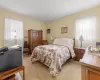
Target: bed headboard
(74, 42)
(70, 38)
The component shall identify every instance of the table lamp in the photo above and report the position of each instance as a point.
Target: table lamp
(81, 39)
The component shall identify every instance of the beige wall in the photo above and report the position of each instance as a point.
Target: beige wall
(69, 21)
(55, 26)
(29, 23)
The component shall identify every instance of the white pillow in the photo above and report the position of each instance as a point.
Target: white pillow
(64, 41)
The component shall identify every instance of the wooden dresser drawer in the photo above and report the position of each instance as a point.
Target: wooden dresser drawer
(90, 73)
(93, 74)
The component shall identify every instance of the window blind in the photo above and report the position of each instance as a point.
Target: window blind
(87, 28)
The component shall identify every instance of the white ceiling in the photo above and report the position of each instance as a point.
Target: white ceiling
(46, 10)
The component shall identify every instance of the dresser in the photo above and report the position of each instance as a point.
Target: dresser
(34, 39)
(90, 67)
(79, 52)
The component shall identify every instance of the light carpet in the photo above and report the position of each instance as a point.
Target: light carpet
(38, 71)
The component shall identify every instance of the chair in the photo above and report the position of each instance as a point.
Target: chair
(26, 47)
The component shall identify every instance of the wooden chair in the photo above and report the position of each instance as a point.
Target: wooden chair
(26, 47)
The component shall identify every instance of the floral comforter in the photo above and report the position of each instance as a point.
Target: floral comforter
(53, 56)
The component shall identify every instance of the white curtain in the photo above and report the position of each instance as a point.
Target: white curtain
(87, 28)
(19, 32)
(8, 38)
(13, 32)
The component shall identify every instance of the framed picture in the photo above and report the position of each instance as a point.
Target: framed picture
(64, 30)
(98, 44)
(48, 31)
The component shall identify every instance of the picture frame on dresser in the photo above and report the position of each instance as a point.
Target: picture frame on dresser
(98, 44)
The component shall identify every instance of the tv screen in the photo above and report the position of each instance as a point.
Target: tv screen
(10, 58)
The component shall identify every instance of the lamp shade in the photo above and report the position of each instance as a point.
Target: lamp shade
(51, 38)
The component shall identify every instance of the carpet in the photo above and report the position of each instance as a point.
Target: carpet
(38, 71)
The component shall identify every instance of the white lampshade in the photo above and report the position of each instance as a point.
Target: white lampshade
(51, 38)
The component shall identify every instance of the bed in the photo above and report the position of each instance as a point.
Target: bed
(54, 55)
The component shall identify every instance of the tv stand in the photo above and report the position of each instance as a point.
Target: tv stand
(9, 73)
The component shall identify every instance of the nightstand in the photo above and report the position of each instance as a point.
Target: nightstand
(44, 42)
(79, 53)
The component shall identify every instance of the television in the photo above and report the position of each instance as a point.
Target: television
(10, 58)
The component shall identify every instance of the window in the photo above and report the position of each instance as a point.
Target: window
(13, 32)
(87, 28)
